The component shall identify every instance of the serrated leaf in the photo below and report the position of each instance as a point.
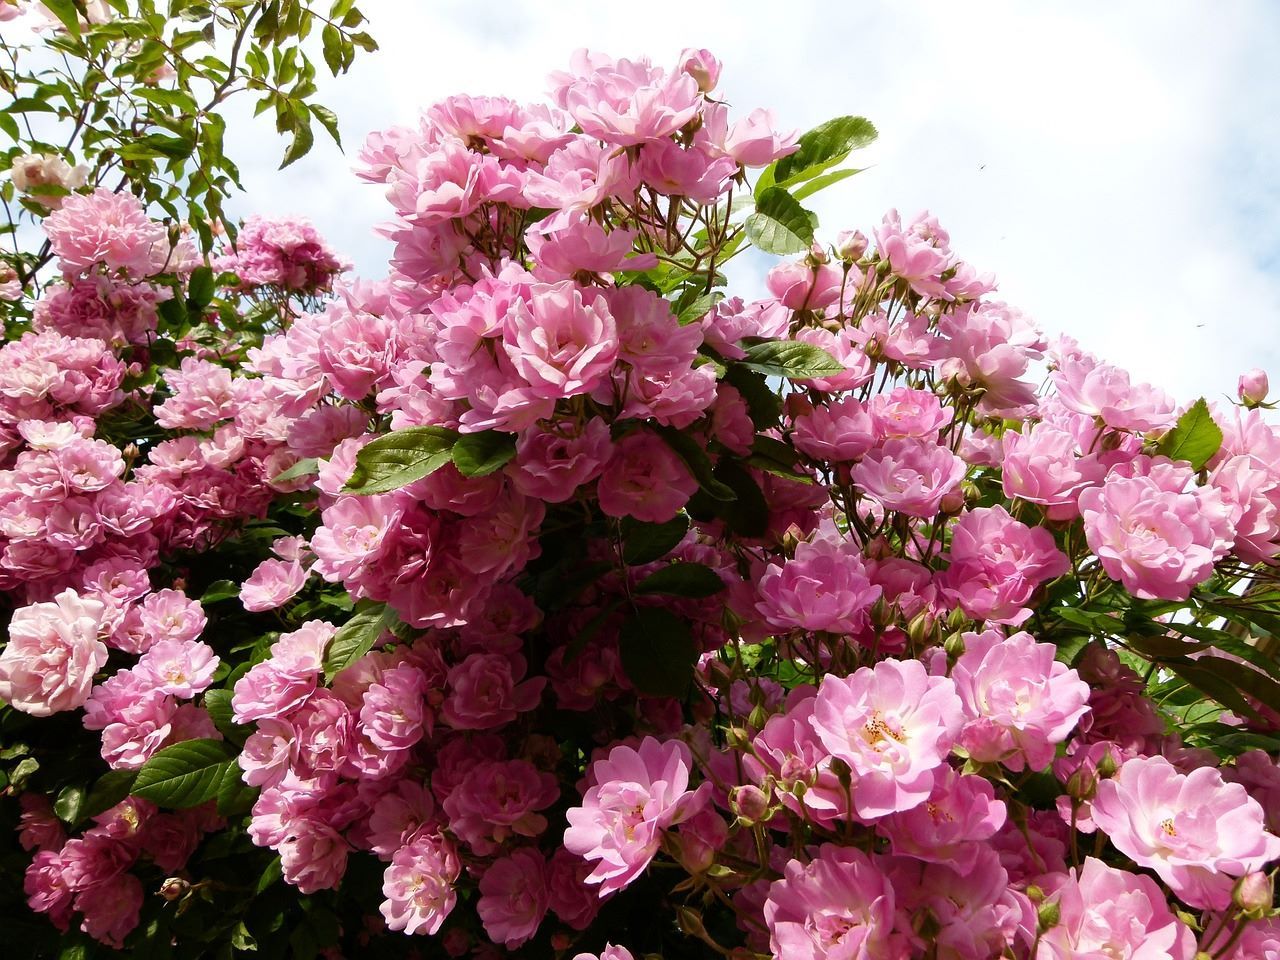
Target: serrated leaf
(646, 542)
(399, 458)
(303, 138)
(792, 359)
(218, 703)
(329, 120)
(779, 224)
(681, 579)
(697, 461)
(112, 787)
(355, 638)
(824, 146)
(303, 468)
(200, 289)
(480, 454)
(1195, 438)
(234, 795)
(658, 652)
(821, 183)
(184, 774)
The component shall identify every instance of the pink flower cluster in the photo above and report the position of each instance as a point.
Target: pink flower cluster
(833, 650)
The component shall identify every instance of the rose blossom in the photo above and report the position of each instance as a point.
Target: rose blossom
(638, 794)
(893, 724)
(1196, 832)
(54, 650)
(839, 905)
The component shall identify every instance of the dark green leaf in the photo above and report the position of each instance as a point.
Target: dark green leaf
(824, 146)
(658, 652)
(220, 590)
(480, 454)
(699, 464)
(1195, 438)
(218, 703)
(200, 289)
(271, 875)
(303, 138)
(355, 638)
(112, 787)
(399, 458)
(645, 542)
(682, 579)
(184, 774)
(763, 403)
(234, 795)
(779, 224)
(792, 359)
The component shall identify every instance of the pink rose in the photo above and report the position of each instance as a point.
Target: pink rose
(54, 650)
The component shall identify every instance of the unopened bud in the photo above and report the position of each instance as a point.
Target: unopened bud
(749, 803)
(173, 888)
(954, 645)
(1047, 915)
(882, 613)
(1035, 894)
(1107, 766)
(952, 502)
(1082, 784)
(842, 771)
(758, 717)
(851, 245)
(920, 628)
(691, 922)
(737, 737)
(1254, 893)
(817, 255)
(1253, 387)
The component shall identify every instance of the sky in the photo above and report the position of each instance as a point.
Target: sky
(1117, 166)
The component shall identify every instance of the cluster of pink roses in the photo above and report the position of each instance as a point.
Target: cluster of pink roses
(819, 602)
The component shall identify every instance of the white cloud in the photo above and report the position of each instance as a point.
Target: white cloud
(1113, 164)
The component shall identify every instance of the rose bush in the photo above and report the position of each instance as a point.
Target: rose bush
(546, 598)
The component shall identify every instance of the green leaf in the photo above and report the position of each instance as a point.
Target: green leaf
(220, 590)
(355, 638)
(699, 464)
(480, 454)
(70, 803)
(646, 542)
(185, 774)
(792, 359)
(200, 289)
(329, 120)
(399, 458)
(682, 579)
(822, 182)
(234, 795)
(66, 12)
(658, 652)
(303, 138)
(823, 147)
(780, 225)
(303, 468)
(271, 875)
(112, 787)
(1195, 438)
(218, 703)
